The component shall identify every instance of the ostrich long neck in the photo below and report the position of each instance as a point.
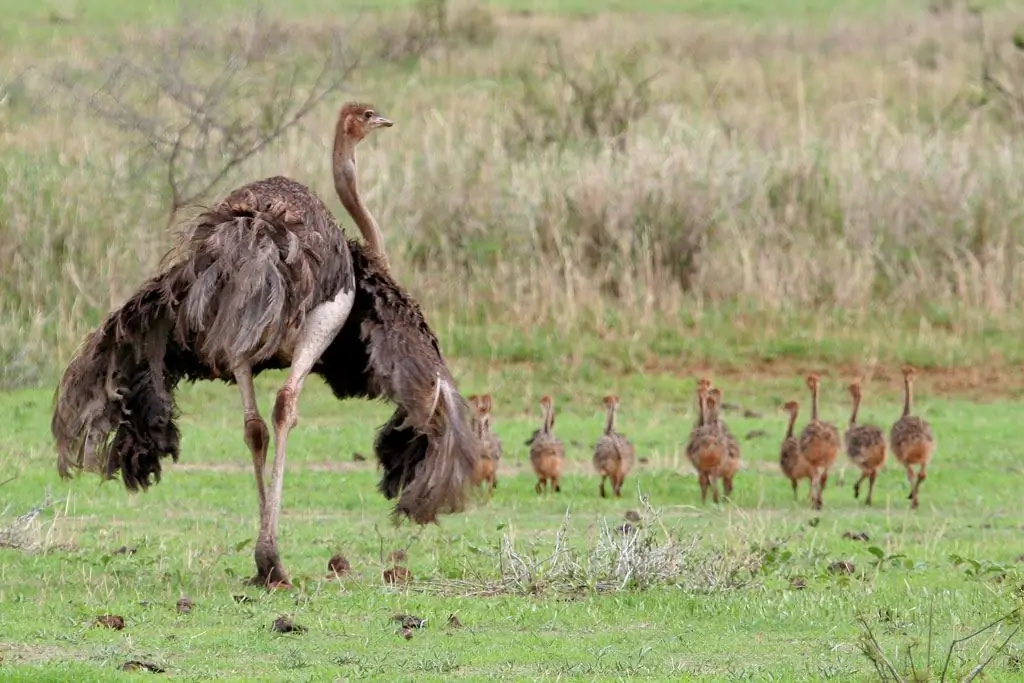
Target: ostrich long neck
(702, 409)
(856, 407)
(814, 403)
(712, 412)
(347, 187)
(792, 424)
(908, 398)
(549, 414)
(609, 425)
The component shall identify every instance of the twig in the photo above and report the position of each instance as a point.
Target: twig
(959, 641)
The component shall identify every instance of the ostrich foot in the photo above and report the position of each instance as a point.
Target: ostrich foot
(270, 573)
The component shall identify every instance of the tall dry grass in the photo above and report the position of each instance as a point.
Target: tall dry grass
(860, 168)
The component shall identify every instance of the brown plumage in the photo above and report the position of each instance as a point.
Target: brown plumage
(266, 280)
(791, 462)
(865, 446)
(911, 439)
(707, 447)
(819, 445)
(614, 455)
(547, 454)
(491, 450)
(731, 465)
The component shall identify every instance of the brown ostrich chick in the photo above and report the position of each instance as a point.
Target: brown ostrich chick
(492, 450)
(614, 454)
(707, 448)
(547, 453)
(819, 445)
(731, 465)
(911, 439)
(865, 446)
(791, 462)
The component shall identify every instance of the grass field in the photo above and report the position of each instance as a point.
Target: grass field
(717, 600)
(810, 185)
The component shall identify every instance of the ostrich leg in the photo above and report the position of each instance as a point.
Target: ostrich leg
(256, 435)
(321, 326)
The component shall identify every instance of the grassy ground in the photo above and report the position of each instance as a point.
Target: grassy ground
(720, 601)
(818, 185)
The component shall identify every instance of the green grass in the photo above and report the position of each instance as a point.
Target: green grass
(824, 250)
(720, 616)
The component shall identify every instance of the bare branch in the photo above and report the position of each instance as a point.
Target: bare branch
(204, 100)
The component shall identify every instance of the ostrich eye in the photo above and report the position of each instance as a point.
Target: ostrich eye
(367, 115)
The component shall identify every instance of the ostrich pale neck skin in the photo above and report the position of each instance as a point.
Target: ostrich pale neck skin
(814, 402)
(712, 411)
(609, 425)
(549, 411)
(348, 192)
(908, 391)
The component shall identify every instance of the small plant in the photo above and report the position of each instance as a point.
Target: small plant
(562, 102)
(433, 24)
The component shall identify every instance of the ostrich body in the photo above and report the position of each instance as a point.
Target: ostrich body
(791, 462)
(547, 453)
(911, 439)
(819, 445)
(266, 279)
(865, 446)
(707, 448)
(614, 454)
(731, 465)
(491, 450)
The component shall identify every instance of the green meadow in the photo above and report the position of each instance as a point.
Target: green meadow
(586, 198)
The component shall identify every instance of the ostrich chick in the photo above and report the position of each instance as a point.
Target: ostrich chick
(819, 445)
(731, 465)
(614, 454)
(865, 446)
(547, 453)
(492, 450)
(911, 439)
(793, 465)
(707, 448)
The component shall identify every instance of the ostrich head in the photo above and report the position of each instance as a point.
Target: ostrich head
(908, 373)
(791, 407)
(610, 401)
(357, 119)
(813, 381)
(854, 388)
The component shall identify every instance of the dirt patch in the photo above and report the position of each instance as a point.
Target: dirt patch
(979, 382)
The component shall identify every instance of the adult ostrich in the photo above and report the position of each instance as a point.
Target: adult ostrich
(266, 279)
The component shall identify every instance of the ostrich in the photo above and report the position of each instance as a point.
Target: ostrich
(266, 279)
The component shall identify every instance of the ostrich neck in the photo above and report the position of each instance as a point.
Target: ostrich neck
(609, 425)
(549, 412)
(792, 425)
(702, 410)
(908, 398)
(347, 187)
(856, 407)
(814, 404)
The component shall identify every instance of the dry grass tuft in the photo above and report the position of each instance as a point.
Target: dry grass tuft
(870, 169)
(29, 532)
